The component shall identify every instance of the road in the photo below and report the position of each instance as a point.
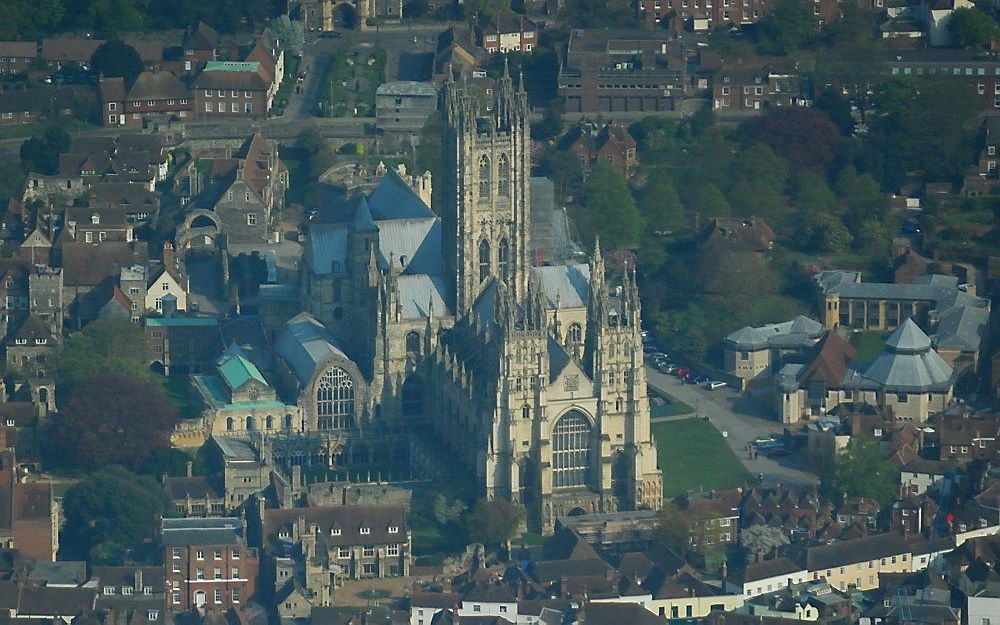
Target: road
(738, 428)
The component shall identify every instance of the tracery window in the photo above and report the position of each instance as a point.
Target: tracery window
(503, 259)
(335, 400)
(484, 176)
(503, 176)
(484, 260)
(571, 450)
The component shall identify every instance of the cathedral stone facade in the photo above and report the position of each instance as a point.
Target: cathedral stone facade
(530, 377)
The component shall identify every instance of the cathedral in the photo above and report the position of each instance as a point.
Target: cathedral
(437, 324)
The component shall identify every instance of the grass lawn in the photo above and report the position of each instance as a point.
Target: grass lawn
(664, 405)
(177, 390)
(694, 456)
(869, 344)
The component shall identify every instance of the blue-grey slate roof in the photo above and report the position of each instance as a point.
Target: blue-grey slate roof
(571, 283)
(393, 198)
(305, 344)
(327, 244)
(417, 241)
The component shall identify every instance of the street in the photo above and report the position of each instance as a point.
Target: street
(739, 429)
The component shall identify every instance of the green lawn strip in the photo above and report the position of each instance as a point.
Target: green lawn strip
(694, 456)
(868, 344)
(665, 405)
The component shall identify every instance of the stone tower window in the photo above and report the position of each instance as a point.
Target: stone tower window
(571, 450)
(525, 412)
(335, 400)
(575, 333)
(484, 260)
(503, 176)
(413, 396)
(484, 176)
(412, 343)
(503, 259)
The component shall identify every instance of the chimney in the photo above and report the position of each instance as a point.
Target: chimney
(138, 580)
(190, 468)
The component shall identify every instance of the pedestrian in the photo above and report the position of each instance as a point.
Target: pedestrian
(755, 455)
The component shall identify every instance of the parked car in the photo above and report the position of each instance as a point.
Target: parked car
(776, 452)
(714, 384)
(762, 440)
(665, 367)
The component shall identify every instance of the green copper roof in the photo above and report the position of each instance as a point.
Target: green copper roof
(236, 370)
(232, 66)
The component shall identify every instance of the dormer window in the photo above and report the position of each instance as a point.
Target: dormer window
(334, 531)
(109, 590)
(42, 341)
(283, 534)
(95, 218)
(393, 529)
(10, 423)
(153, 615)
(365, 531)
(20, 341)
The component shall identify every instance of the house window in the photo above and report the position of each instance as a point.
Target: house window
(235, 93)
(165, 286)
(175, 596)
(335, 531)
(222, 107)
(218, 595)
(368, 551)
(392, 550)
(248, 107)
(236, 573)
(344, 552)
(159, 303)
(236, 595)
(176, 553)
(208, 107)
(218, 573)
(89, 237)
(235, 554)
(251, 219)
(235, 108)
(247, 94)
(153, 615)
(393, 529)
(112, 119)
(109, 590)
(199, 574)
(247, 196)
(365, 531)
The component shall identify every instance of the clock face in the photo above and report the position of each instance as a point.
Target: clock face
(254, 393)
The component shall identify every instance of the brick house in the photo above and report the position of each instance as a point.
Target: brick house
(27, 106)
(759, 90)
(17, 57)
(962, 439)
(233, 89)
(700, 15)
(89, 273)
(717, 514)
(29, 517)
(200, 47)
(611, 143)
(207, 564)
(320, 547)
(153, 93)
(504, 33)
(130, 594)
(98, 225)
(182, 343)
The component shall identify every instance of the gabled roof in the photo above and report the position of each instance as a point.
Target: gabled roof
(830, 361)
(203, 37)
(570, 284)
(158, 86)
(236, 370)
(393, 198)
(417, 242)
(36, 239)
(567, 545)
(417, 292)
(305, 344)
(34, 328)
(383, 524)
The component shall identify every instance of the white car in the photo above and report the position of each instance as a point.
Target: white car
(714, 384)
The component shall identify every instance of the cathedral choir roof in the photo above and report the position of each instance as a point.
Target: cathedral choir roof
(305, 345)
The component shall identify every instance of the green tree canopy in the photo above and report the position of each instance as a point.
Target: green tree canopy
(112, 419)
(674, 528)
(804, 137)
(789, 26)
(563, 167)
(706, 200)
(598, 13)
(971, 27)
(42, 155)
(117, 58)
(608, 209)
(110, 346)
(659, 203)
(552, 123)
(27, 19)
(493, 522)
(111, 505)
(289, 33)
(862, 470)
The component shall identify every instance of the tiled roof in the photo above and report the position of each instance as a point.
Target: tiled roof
(384, 524)
(34, 328)
(19, 49)
(198, 531)
(237, 76)
(158, 86)
(829, 362)
(842, 553)
(196, 487)
(766, 569)
(88, 264)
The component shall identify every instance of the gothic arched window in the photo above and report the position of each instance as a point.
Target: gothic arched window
(412, 343)
(269, 422)
(575, 333)
(503, 176)
(230, 424)
(484, 260)
(571, 450)
(484, 176)
(335, 400)
(503, 259)
(249, 423)
(413, 396)
(525, 412)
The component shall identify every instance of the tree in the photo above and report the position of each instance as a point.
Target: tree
(789, 26)
(289, 34)
(107, 554)
(673, 528)
(493, 522)
(552, 121)
(42, 155)
(108, 346)
(564, 169)
(706, 200)
(972, 28)
(759, 540)
(660, 205)
(27, 19)
(608, 209)
(112, 419)
(485, 9)
(598, 13)
(117, 58)
(837, 109)
(804, 137)
(862, 470)
(110, 507)
(113, 17)
(445, 513)
(168, 461)
(11, 180)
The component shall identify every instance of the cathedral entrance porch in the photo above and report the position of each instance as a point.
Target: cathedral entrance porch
(571, 503)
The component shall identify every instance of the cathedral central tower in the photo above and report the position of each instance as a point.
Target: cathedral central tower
(487, 165)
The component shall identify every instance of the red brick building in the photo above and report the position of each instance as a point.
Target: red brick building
(207, 563)
(16, 57)
(200, 47)
(233, 89)
(183, 343)
(29, 518)
(506, 33)
(154, 93)
(612, 143)
(701, 15)
(756, 90)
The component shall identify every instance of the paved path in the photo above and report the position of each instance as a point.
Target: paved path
(738, 428)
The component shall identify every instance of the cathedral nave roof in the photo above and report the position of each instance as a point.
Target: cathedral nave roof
(571, 283)
(394, 199)
(413, 244)
(417, 291)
